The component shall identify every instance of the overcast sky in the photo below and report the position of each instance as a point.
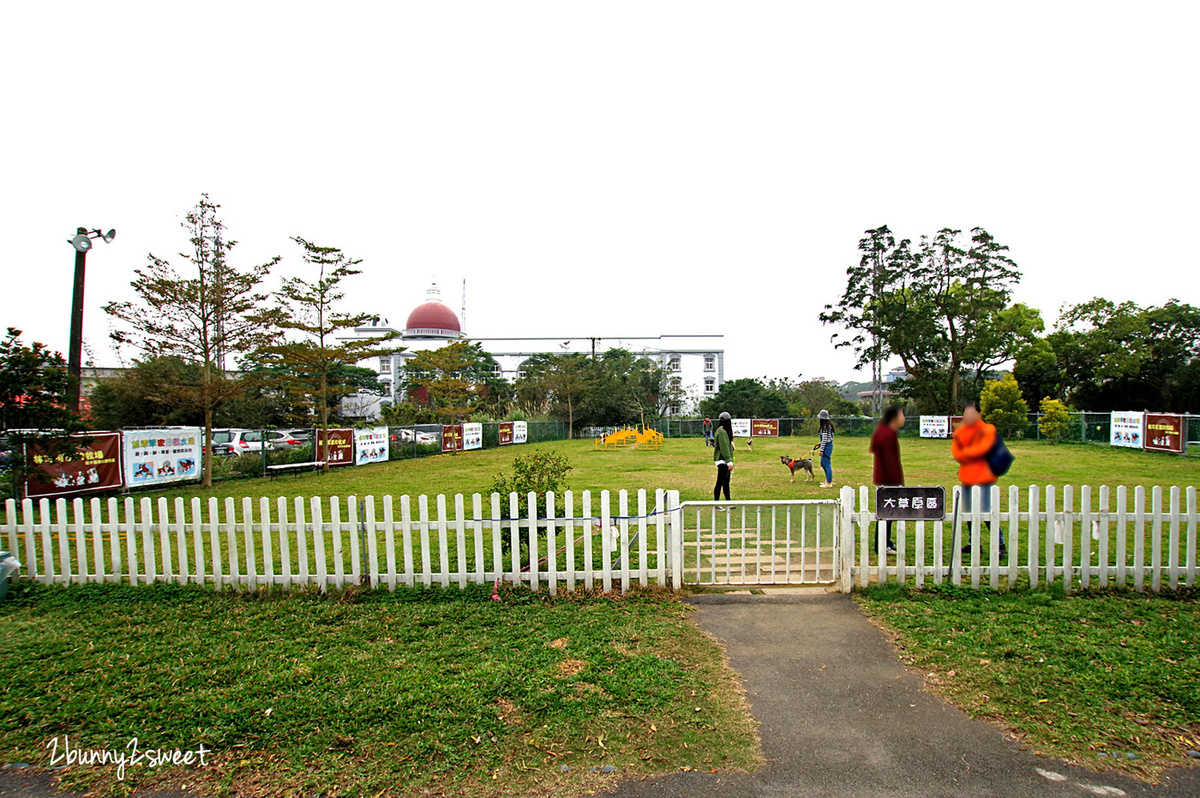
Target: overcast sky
(616, 168)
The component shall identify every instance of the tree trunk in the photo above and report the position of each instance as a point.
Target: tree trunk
(207, 459)
(324, 422)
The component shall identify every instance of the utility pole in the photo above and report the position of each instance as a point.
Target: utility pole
(82, 243)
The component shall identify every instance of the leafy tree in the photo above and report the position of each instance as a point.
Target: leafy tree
(33, 386)
(942, 307)
(745, 398)
(136, 398)
(200, 319)
(452, 380)
(1003, 406)
(307, 310)
(1124, 356)
(1037, 371)
(1055, 420)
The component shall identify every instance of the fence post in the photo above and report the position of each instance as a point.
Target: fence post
(844, 529)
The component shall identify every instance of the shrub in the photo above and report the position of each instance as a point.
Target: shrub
(1055, 421)
(1003, 406)
(538, 472)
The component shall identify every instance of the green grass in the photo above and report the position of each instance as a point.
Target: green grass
(368, 693)
(1109, 673)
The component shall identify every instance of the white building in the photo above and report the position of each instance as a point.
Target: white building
(697, 360)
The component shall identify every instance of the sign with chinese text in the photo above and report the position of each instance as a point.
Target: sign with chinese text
(340, 448)
(506, 433)
(741, 428)
(764, 428)
(370, 445)
(520, 431)
(472, 436)
(1125, 429)
(1165, 432)
(89, 463)
(158, 456)
(905, 503)
(452, 438)
(935, 426)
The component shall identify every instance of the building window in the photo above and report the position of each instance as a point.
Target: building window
(495, 368)
(710, 362)
(521, 374)
(385, 366)
(674, 364)
(673, 410)
(710, 385)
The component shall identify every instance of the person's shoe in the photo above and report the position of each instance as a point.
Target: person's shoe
(1003, 551)
(966, 549)
(891, 549)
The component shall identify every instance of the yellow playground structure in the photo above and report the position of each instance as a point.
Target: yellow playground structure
(641, 437)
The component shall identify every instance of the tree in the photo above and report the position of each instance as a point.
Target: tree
(745, 398)
(306, 310)
(136, 398)
(568, 380)
(1036, 370)
(1003, 406)
(451, 380)
(941, 307)
(1055, 420)
(200, 319)
(33, 387)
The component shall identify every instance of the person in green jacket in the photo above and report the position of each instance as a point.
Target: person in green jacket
(723, 455)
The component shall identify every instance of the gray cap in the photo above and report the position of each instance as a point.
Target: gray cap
(823, 414)
(724, 416)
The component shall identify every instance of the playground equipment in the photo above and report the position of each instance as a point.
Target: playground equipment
(640, 437)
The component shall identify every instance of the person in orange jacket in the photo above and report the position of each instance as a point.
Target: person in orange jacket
(973, 440)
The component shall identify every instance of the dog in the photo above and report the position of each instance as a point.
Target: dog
(794, 464)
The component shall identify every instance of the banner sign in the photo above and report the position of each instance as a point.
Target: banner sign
(452, 438)
(1165, 432)
(935, 426)
(520, 432)
(764, 428)
(741, 428)
(910, 503)
(506, 433)
(370, 445)
(159, 456)
(341, 446)
(1125, 429)
(472, 436)
(93, 464)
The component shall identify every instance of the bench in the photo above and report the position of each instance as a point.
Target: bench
(294, 468)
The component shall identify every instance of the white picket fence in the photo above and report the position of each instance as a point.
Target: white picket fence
(1100, 543)
(304, 541)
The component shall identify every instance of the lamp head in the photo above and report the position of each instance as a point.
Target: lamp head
(81, 243)
(109, 236)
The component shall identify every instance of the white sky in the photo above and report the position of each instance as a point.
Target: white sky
(616, 168)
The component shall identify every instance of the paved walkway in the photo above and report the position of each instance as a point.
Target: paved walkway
(841, 715)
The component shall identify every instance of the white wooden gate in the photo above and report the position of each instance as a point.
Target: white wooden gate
(760, 542)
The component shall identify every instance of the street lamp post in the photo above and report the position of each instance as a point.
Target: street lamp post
(82, 243)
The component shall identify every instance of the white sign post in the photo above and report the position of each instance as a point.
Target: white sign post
(741, 428)
(472, 435)
(520, 432)
(935, 426)
(1125, 429)
(370, 445)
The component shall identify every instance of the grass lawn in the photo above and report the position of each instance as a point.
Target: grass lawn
(685, 464)
(1090, 679)
(368, 693)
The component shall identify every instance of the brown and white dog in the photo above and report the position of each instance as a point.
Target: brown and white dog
(793, 465)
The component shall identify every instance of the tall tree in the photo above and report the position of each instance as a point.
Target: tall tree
(201, 319)
(306, 313)
(451, 380)
(745, 398)
(33, 386)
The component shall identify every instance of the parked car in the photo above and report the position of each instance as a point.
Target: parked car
(302, 436)
(282, 439)
(232, 442)
(407, 435)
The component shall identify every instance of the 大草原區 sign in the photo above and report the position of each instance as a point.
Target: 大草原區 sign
(904, 503)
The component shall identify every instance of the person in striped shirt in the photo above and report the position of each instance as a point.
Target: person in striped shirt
(826, 444)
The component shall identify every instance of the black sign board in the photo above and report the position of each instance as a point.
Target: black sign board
(910, 503)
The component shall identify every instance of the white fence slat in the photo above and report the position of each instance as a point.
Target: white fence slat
(622, 541)
(443, 542)
(460, 539)
(335, 520)
(285, 553)
(423, 528)
(197, 542)
(569, 513)
(551, 544)
(514, 538)
(1156, 542)
(79, 524)
(406, 539)
(589, 578)
(268, 555)
(605, 541)
(29, 522)
(1173, 541)
(1105, 505)
(389, 538)
(477, 532)
(532, 534)
(11, 524)
(497, 573)
(354, 530)
(1122, 523)
(864, 524)
(1014, 533)
(181, 548)
(214, 537)
(643, 575)
(163, 522)
(149, 553)
(302, 539)
(1191, 536)
(250, 543)
(660, 537)
(1139, 538)
(1052, 531)
(58, 533)
(47, 524)
(1085, 536)
(994, 539)
(99, 571)
(235, 565)
(318, 536)
(372, 558)
(1034, 534)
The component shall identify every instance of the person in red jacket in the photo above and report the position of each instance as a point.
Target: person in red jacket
(885, 445)
(973, 440)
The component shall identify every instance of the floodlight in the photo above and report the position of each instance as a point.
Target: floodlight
(81, 243)
(109, 236)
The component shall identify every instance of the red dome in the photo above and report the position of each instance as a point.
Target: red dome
(432, 317)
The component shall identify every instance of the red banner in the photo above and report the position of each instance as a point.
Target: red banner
(506, 433)
(452, 438)
(94, 464)
(341, 446)
(1165, 432)
(764, 428)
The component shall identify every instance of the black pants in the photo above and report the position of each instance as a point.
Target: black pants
(722, 482)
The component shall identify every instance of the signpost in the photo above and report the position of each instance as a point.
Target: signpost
(1125, 429)
(159, 456)
(472, 435)
(94, 463)
(741, 427)
(764, 428)
(506, 433)
(935, 426)
(905, 503)
(452, 438)
(1165, 432)
(340, 449)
